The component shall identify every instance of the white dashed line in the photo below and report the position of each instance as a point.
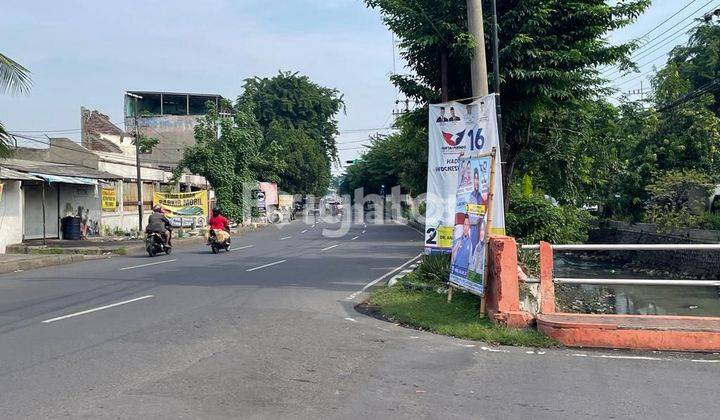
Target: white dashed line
(47, 321)
(304, 231)
(148, 264)
(351, 319)
(285, 237)
(241, 247)
(352, 239)
(389, 273)
(329, 247)
(705, 361)
(266, 265)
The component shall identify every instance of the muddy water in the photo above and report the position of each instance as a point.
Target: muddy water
(653, 300)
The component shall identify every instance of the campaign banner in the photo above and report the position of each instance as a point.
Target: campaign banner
(458, 130)
(183, 209)
(108, 199)
(467, 259)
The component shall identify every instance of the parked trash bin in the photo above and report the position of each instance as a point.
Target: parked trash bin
(71, 228)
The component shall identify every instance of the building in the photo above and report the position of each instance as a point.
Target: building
(37, 194)
(170, 117)
(115, 151)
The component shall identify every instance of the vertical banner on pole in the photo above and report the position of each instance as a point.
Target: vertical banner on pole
(458, 130)
(467, 266)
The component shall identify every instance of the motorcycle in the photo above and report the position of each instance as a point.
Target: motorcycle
(155, 244)
(215, 244)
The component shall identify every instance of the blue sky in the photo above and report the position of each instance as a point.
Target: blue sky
(87, 53)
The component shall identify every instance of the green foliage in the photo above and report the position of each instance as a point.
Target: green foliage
(228, 162)
(549, 56)
(147, 143)
(533, 219)
(397, 159)
(297, 118)
(678, 199)
(710, 220)
(434, 269)
(430, 311)
(526, 186)
(306, 170)
(14, 78)
(296, 102)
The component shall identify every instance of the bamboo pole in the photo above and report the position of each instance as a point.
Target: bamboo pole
(488, 227)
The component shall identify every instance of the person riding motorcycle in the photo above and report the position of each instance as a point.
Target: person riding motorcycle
(219, 225)
(158, 223)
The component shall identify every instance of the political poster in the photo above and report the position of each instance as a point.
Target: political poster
(108, 199)
(467, 258)
(458, 130)
(183, 209)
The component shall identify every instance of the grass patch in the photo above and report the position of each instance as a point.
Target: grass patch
(429, 310)
(47, 251)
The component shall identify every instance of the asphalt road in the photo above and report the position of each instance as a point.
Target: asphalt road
(268, 331)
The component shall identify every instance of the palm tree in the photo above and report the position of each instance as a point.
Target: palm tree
(15, 79)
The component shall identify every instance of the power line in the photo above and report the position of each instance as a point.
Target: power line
(694, 94)
(650, 43)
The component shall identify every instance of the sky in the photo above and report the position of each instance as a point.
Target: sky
(87, 53)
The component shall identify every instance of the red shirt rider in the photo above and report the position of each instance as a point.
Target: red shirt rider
(219, 222)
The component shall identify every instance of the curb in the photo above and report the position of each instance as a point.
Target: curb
(40, 262)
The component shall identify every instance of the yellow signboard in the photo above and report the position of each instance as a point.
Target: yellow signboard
(109, 199)
(445, 236)
(183, 208)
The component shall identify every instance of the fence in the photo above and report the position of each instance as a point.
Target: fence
(632, 247)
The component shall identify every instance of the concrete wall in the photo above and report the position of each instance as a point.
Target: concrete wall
(695, 263)
(11, 208)
(175, 132)
(85, 198)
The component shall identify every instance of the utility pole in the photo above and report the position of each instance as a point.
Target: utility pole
(496, 72)
(478, 69)
(137, 161)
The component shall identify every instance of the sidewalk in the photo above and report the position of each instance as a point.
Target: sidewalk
(33, 254)
(11, 263)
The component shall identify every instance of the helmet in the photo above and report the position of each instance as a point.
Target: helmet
(216, 210)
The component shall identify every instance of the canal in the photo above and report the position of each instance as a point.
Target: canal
(630, 299)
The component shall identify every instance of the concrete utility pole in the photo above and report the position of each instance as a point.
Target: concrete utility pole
(478, 69)
(137, 162)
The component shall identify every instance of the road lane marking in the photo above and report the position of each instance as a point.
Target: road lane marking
(705, 361)
(351, 319)
(266, 265)
(148, 264)
(304, 231)
(285, 237)
(352, 239)
(329, 247)
(47, 321)
(241, 247)
(389, 273)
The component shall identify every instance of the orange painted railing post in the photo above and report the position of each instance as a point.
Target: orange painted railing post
(547, 287)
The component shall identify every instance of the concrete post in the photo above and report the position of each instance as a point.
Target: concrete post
(547, 287)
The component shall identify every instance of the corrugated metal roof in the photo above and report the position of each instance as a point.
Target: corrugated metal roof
(6, 173)
(59, 169)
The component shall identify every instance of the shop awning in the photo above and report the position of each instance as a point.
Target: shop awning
(66, 179)
(9, 174)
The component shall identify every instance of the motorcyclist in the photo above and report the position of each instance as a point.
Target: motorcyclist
(158, 223)
(220, 225)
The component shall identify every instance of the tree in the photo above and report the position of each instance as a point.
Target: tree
(306, 169)
(550, 52)
(296, 102)
(14, 78)
(299, 116)
(228, 162)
